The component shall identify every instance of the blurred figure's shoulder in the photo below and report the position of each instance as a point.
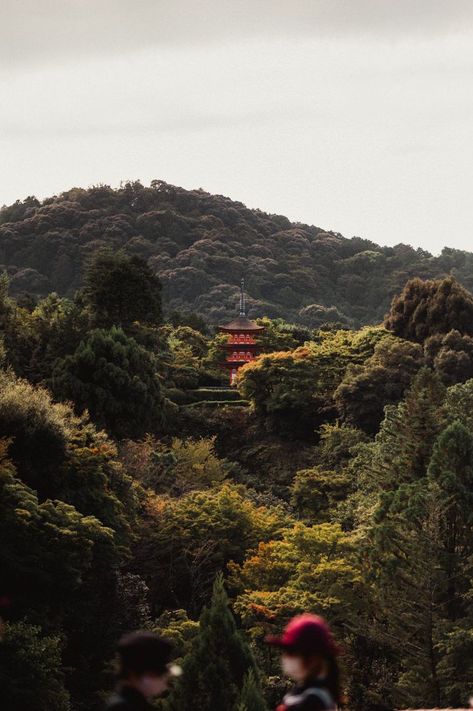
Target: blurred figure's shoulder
(127, 699)
(117, 703)
(308, 699)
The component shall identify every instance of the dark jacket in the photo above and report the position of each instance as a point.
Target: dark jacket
(128, 699)
(313, 696)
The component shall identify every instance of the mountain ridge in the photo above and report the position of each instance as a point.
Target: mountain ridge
(201, 245)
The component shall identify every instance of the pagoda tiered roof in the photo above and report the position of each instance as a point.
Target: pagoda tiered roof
(241, 324)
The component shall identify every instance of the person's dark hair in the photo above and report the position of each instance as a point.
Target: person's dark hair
(143, 652)
(332, 680)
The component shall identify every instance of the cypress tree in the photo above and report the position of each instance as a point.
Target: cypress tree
(215, 669)
(251, 698)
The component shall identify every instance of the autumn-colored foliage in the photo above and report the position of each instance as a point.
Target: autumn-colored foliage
(137, 491)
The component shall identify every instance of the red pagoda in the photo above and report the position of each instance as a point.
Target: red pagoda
(241, 346)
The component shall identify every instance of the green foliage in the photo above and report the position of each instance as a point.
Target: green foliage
(177, 469)
(30, 670)
(250, 697)
(382, 380)
(115, 379)
(54, 536)
(451, 355)
(193, 359)
(312, 568)
(195, 536)
(298, 386)
(40, 428)
(423, 541)
(61, 456)
(337, 444)
(425, 308)
(215, 395)
(420, 549)
(197, 243)
(459, 404)
(57, 327)
(66, 511)
(403, 446)
(281, 336)
(122, 289)
(288, 497)
(190, 319)
(34, 338)
(326, 317)
(59, 567)
(217, 683)
(283, 386)
(315, 493)
(188, 343)
(176, 626)
(15, 329)
(132, 603)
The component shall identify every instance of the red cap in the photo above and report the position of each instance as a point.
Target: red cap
(309, 634)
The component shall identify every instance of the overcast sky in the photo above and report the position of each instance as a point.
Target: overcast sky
(354, 115)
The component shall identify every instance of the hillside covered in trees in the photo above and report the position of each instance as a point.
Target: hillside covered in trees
(200, 245)
(137, 492)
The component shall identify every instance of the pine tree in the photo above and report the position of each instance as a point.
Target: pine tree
(215, 669)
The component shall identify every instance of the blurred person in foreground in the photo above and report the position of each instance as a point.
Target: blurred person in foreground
(144, 672)
(309, 657)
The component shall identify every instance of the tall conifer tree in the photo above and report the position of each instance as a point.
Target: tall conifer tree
(215, 670)
(251, 698)
(421, 551)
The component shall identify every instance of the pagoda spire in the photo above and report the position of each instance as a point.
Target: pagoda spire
(242, 298)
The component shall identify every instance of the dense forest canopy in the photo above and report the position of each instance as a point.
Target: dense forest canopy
(200, 245)
(138, 491)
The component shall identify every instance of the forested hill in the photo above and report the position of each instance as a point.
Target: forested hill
(201, 245)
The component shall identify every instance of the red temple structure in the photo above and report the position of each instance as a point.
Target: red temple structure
(241, 346)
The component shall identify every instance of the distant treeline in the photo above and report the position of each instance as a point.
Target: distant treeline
(200, 245)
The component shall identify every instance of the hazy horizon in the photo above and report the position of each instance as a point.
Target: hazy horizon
(355, 116)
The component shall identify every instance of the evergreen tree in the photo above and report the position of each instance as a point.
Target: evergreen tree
(122, 289)
(115, 379)
(337, 445)
(366, 389)
(315, 493)
(403, 447)
(420, 547)
(30, 670)
(451, 480)
(250, 697)
(215, 670)
(432, 306)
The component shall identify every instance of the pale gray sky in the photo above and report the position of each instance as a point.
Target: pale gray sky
(354, 115)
